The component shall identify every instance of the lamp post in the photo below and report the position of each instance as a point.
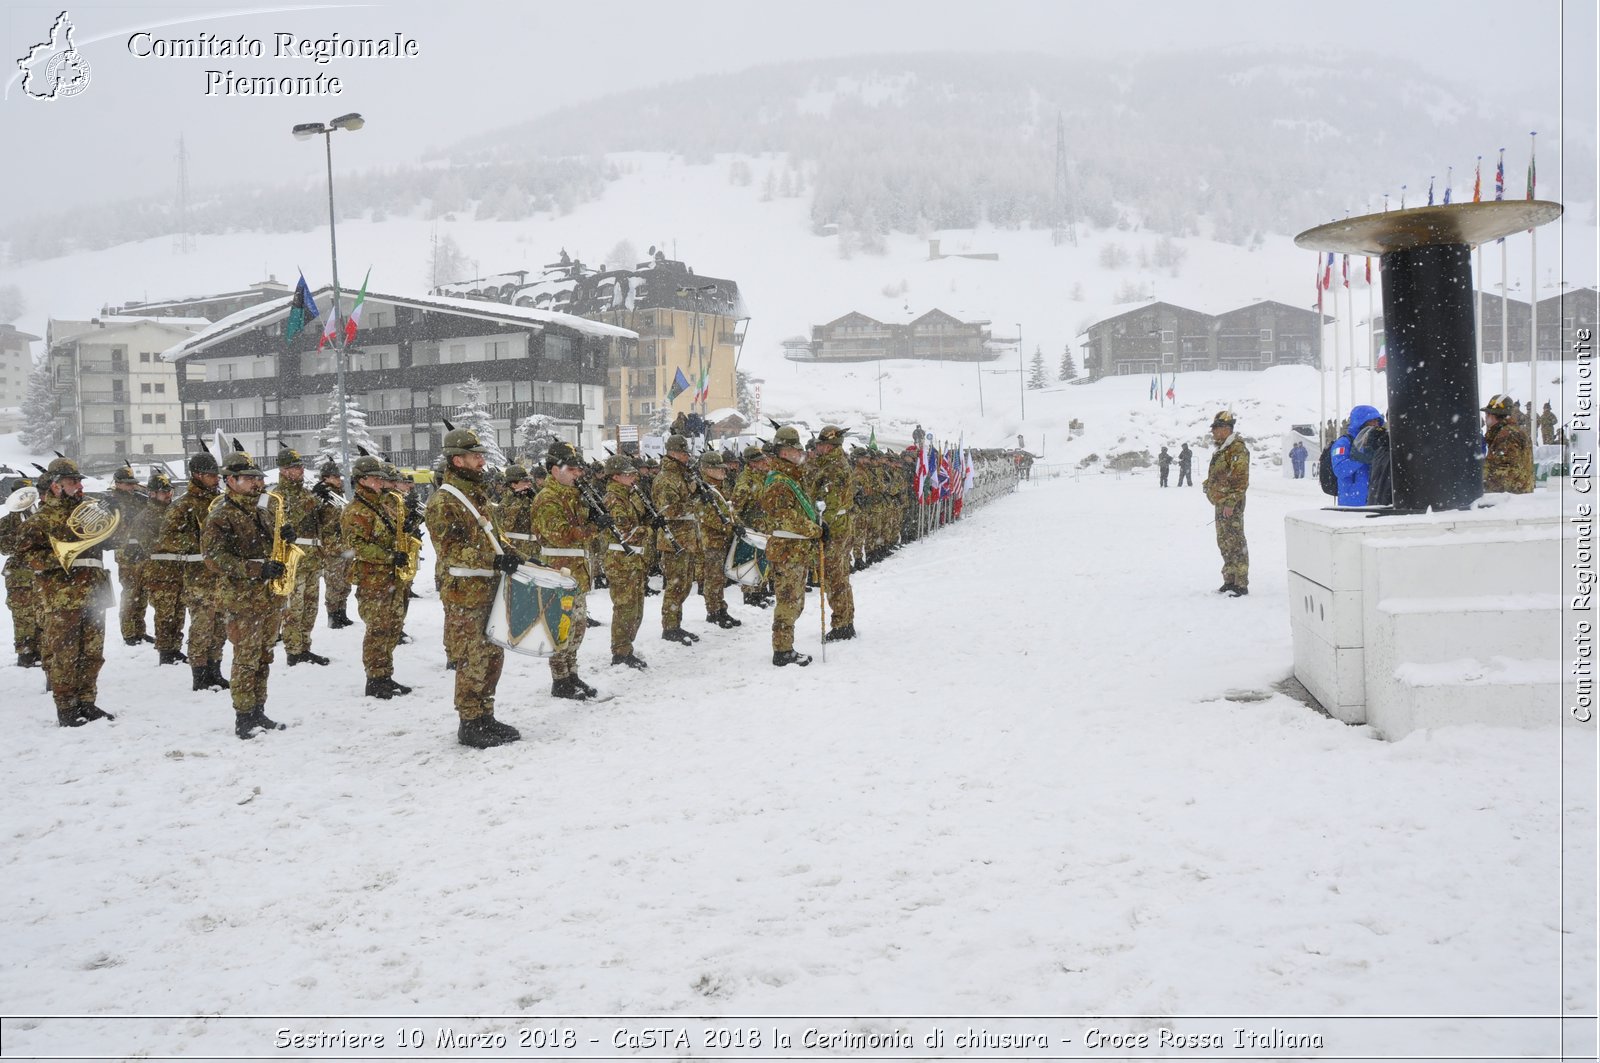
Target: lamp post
(1022, 390)
(305, 131)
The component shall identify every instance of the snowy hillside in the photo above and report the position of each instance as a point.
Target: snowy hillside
(792, 280)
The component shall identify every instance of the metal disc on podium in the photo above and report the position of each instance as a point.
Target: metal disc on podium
(1454, 223)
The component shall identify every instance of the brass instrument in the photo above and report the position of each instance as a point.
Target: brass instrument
(329, 495)
(22, 499)
(404, 542)
(284, 552)
(92, 521)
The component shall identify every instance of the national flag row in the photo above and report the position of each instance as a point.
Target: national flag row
(943, 474)
(303, 308)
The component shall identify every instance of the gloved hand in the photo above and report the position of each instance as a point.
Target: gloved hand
(287, 533)
(507, 563)
(271, 570)
(398, 558)
(822, 507)
(658, 521)
(739, 530)
(826, 535)
(308, 528)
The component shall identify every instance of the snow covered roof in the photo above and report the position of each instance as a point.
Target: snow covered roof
(268, 313)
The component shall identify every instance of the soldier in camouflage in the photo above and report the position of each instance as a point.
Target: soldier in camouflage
(305, 514)
(747, 504)
(1227, 480)
(625, 569)
(515, 519)
(163, 573)
(20, 588)
(371, 526)
(469, 556)
(678, 544)
(1508, 454)
(564, 527)
(131, 554)
(791, 523)
(335, 559)
(72, 602)
(831, 484)
(717, 529)
(239, 540)
(180, 542)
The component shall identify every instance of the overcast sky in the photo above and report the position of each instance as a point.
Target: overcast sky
(490, 63)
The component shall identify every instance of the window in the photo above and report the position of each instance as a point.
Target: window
(494, 350)
(1167, 335)
(144, 356)
(161, 418)
(1266, 335)
(144, 389)
(119, 356)
(1266, 357)
(149, 448)
(119, 447)
(558, 348)
(146, 419)
(161, 389)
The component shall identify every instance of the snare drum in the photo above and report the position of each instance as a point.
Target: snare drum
(746, 563)
(532, 611)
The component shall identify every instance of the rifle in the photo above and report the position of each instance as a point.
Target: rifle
(714, 500)
(601, 515)
(656, 519)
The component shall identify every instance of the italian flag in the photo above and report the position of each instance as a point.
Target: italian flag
(704, 391)
(332, 328)
(351, 325)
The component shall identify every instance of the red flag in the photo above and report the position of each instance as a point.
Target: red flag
(1346, 268)
(1327, 273)
(332, 329)
(1369, 271)
(1477, 182)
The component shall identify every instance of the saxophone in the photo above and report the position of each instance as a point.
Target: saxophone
(284, 552)
(404, 542)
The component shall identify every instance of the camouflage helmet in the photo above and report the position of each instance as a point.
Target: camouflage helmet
(202, 462)
(124, 475)
(289, 458)
(1223, 419)
(832, 434)
(1500, 406)
(676, 444)
(619, 465)
(330, 468)
(159, 481)
(754, 454)
(787, 436)
(240, 463)
(461, 441)
(391, 471)
(63, 467)
(366, 465)
(516, 473)
(711, 460)
(561, 453)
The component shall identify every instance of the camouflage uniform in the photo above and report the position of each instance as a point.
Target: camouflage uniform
(625, 571)
(746, 503)
(1227, 480)
(1508, 462)
(790, 520)
(371, 526)
(672, 496)
(21, 590)
(71, 605)
(163, 578)
(467, 558)
(131, 555)
(563, 526)
(305, 514)
(1547, 426)
(516, 524)
(180, 542)
(335, 562)
(831, 481)
(237, 543)
(716, 533)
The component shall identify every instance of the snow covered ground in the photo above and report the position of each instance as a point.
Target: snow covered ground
(1053, 776)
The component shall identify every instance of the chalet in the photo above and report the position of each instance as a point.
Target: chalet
(858, 337)
(1165, 337)
(405, 369)
(1505, 324)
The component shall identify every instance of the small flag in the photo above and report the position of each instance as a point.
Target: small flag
(1317, 280)
(354, 323)
(1402, 197)
(1369, 271)
(1154, 384)
(301, 309)
(703, 392)
(1477, 181)
(1171, 397)
(680, 384)
(872, 439)
(1430, 191)
(1500, 176)
(1346, 268)
(1532, 175)
(330, 330)
(1449, 179)
(1327, 272)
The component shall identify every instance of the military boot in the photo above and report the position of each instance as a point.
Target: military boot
(380, 687)
(306, 658)
(1237, 591)
(505, 730)
(202, 676)
(259, 718)
(173, 657)
(723, 620)
(337, 618)
(28, 660)
(628, 659)
(69, 717)
(677, 634)
(583, 688)
(216, 676)
(783, 657)
(481, 733)
(244, 725)
(570, 687)
(840, 633)
(90, 711)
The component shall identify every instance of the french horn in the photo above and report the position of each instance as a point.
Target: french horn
(92, 521)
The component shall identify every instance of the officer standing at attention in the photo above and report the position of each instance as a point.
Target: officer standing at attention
(1227, 480)
(371, 525)
(673, 497)
(790, 519)
(564, 526)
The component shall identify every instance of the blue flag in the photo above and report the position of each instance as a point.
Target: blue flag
(301, 309)
(680, 384)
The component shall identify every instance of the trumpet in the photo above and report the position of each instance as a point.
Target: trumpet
(92, 521)
(329, 495)
(22, 499)
(284, 552)
(405, 542)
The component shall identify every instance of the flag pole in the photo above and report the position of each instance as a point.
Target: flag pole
(1505, 286)
(1322, 367)
(1477, 288)
(1338, 369)
(1372, 350)
(1350, 350)
(1533, 299)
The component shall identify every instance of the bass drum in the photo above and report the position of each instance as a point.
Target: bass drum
(746, 563)
(532, 611)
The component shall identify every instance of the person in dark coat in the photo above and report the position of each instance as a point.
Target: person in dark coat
(1297, 458)
(1185, 460)
(1163, 463)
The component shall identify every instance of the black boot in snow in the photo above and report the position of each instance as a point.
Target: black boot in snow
(630, 660)
(481, 733)
(172, 657)
(216, 676)
(840, 633)
(783, 657)
(337, 618)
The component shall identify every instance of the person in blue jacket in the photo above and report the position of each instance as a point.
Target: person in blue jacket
(1351, 472)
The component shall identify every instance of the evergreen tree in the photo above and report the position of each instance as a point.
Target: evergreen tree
(535, 433)
(472, 412)
(744, 395)
(1036, 374)
(1069, 368)
(41, 429)
(354, 419)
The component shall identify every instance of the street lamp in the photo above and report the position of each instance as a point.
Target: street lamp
(305, 131)
(1022, 391)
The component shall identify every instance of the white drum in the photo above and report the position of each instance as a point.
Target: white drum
(746, 563)
(532, 611)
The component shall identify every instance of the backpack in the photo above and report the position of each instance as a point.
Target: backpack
(1325, 474)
